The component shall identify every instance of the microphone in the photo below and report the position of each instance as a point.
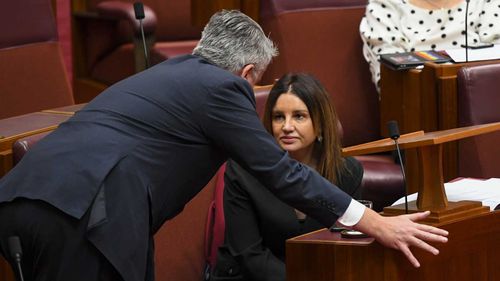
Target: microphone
(139, 15)
(394, 134)
(16, 253)
(466, 33)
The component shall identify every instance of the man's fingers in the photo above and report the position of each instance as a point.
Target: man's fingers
(420, 243)
(434, 230)
(419, 216)
(404, 232)
(409, 255)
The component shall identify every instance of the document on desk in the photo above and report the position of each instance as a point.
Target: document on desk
(491, 53)
(485, 191)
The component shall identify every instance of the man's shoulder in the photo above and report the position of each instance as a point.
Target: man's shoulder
(203, 71)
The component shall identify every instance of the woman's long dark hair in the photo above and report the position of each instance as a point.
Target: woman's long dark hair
(327, 152)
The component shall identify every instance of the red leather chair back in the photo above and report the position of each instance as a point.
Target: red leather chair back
(261, 94)
(180, 243)
(32, 73)
(478, 103)
(270, 8)
(108, 49)
(324, 40)
(173, 19)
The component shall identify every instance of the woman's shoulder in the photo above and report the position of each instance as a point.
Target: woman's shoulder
(351, 176)
(351, 164)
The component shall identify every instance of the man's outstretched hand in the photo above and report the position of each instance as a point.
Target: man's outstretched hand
(402, 232)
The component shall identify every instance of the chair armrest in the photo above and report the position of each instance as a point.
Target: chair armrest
(21, 146)
(125, 11)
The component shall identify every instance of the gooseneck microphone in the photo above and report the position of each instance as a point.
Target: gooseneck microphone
(139, 15)
(16, 254)
(394, 134)
(466, 33)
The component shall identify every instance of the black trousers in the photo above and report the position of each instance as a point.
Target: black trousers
(54, 244)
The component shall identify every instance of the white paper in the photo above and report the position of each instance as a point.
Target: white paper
(485, 191)
(491, 53)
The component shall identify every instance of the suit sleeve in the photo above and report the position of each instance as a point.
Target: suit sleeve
(229, 120)
(243, 236)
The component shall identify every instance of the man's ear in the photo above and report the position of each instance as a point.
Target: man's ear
(247, 73)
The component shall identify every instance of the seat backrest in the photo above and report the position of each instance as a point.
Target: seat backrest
(173, 19)
(180, 243)
(269, 9)
(261, 94)
(32, 74)
(324, 40)
(478, 103)
(108, 44)
(215, 225)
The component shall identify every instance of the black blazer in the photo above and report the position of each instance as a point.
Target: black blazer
(258, 224)
(145, 146)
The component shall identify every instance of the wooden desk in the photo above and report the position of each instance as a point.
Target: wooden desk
(424, 99)
(472, 253)
(14, 128)
(68, 110)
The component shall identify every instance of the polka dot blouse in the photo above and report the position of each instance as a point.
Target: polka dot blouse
(391, 26)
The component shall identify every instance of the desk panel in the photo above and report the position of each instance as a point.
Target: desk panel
(472, 253)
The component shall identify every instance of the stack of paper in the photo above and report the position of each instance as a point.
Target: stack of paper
(458, 55)
(485, 191)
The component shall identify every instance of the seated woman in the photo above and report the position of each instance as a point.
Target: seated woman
(299, 114)
(391, 26)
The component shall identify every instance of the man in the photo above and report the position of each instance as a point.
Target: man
(88, 198)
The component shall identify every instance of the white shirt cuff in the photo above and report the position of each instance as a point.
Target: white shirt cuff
(353, 214)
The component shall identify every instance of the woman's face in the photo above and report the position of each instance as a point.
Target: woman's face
(293, 127)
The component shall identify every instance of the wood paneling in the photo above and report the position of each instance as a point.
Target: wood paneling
(472, 253)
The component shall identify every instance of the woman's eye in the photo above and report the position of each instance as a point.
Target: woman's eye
(299, 117)
(278, 117)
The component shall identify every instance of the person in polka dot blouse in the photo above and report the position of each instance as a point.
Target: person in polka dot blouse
(391, 26)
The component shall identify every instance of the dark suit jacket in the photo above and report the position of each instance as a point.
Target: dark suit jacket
(145, 146)
(258, 224)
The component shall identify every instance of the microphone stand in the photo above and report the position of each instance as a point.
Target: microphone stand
(139, 15)
(466, 33)
(394, 134)
(403, 172)
(16, 254)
